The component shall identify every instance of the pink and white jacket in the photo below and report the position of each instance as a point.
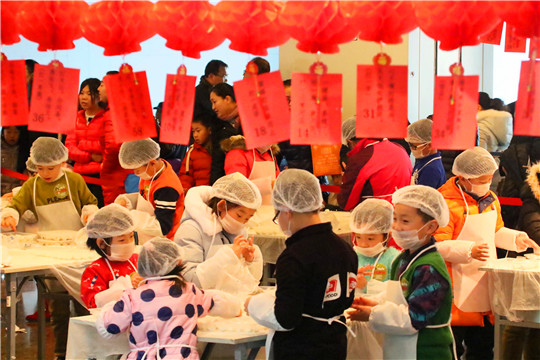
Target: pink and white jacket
(161, 318)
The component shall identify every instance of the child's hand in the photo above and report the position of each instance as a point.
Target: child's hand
(480, 252)
(135, 279)
(121, 201)
(97, 158)
(363, 301)
(9, 222)
(7, 197)
(243, 248)
(360, 313)
(249, 251)
(523, 242)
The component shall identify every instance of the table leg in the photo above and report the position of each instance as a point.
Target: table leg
(207, 351)
(41, 318)
(240, 351)
(498, 337)
(11, 304)
(253, 353)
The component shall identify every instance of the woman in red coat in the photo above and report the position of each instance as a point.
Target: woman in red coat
(84, 143)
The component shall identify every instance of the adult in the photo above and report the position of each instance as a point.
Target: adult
(228, 124)
(84, 144)
(315, 274)
(112, 174)
(263, 66)
(15, 151)
(495, 125)
(214, 73)
(375, 168)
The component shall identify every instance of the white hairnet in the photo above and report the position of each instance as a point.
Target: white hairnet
(424, 198)
(473, 163)
(372, 216)
(30, 165)
(134, 154)
(238, 189)
(158, 257)
(48, 151)
(111, 220)
(419, 131)
(298, 191)
(348, 129)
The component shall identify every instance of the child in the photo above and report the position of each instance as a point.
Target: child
(259, 165)
(212, 233)
(195, 169)
(160, 192)
(315, 274)
(61, 201)
(428, 168)
(475, 229)
(371, 223)
(110, 234)
(13, 155)
(414, 313)
(161, 314)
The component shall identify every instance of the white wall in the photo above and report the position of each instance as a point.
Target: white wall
(156, 59)
(356, 52)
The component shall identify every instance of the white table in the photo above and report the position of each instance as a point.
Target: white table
(83, 337)
(502, 274)
(26, 264)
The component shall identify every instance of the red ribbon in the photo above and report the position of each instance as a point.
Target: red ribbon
(16, 175)
(510, 201)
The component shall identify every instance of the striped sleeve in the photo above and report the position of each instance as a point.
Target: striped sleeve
(165, 201)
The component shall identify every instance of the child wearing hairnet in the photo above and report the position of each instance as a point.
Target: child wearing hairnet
(218, 254)
(474, 230)
(315, 276)
(371, 224)
(414, 311)
(161, 314)
(110, 234)
(158, 207)
(61, 201)
(428, 167)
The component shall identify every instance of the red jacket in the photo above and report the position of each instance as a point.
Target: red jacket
(374, 169)
(195, 169)
(239, 159)
(112, 174)
(85, 141)
(97, 275)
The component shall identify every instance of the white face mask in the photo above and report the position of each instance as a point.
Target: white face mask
(408, 239)
(287, 232)
(418, 152)
(121, 252)
(230, 224)
(479, 190)
(144, 175)
(370, 251)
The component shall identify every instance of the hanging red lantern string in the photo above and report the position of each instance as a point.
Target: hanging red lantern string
(187, 26)
(455, 23)
(523, 16)
(252, 26)
(9, 26)
(319, 25)
(119, 26)
(383, 21)
(52, 24)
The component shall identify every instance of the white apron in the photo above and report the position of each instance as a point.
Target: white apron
(471, 293)
(262, 174)
(375, 286)
(59, 216)
(402, 347)
(416, 173)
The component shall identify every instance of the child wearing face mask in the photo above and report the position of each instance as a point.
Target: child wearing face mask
(414, 311)
(161, 314)
(258, 165)
(428, 167)
(197, 164)
(213, 235)
(110, 234)
(474, 230)
(371, 223)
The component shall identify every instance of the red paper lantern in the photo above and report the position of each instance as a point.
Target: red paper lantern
(119, 26)
(523, 16)
(455, 23)
(52, 24)
(187, 26)
(9, 25)
(383, 21)
(252, 26)
(319, 25)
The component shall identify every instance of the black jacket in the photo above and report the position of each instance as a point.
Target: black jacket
(304, 270)
(203, 105)
(529, 215)
(221, 130)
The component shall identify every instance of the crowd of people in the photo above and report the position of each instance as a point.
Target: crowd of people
(420, 230)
